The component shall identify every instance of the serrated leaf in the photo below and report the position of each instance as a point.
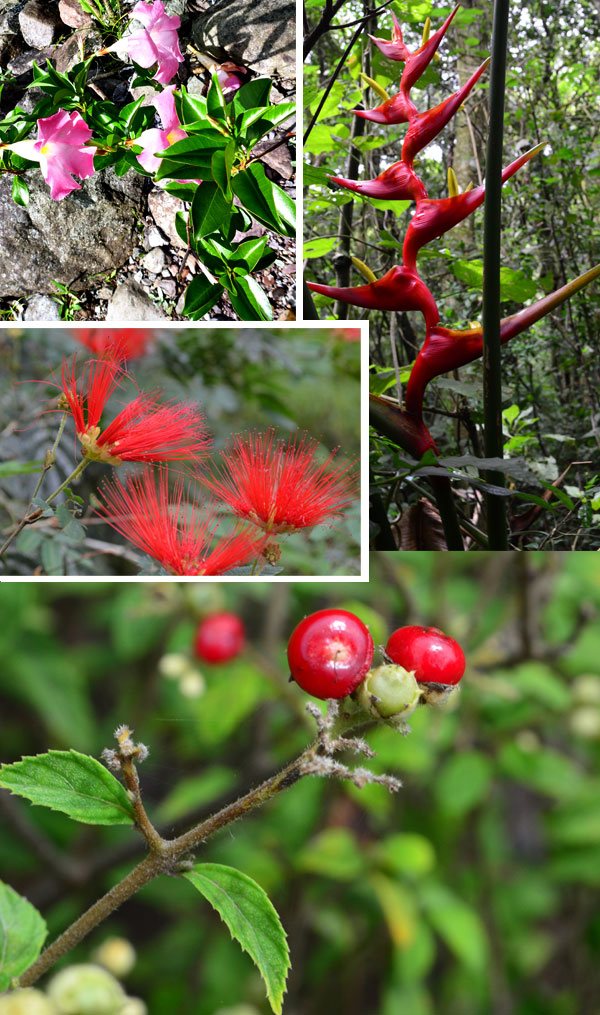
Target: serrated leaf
(72, 783)
(251, 919)
(22, 934)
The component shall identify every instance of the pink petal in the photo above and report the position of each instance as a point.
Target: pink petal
(141, 48)
(152, 141)
(164, 103)
(60, 182)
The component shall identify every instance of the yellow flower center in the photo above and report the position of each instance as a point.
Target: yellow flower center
(91, 450)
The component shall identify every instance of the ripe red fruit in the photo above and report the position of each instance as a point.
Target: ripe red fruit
(329, 653)
(219, 637)
(429, 653)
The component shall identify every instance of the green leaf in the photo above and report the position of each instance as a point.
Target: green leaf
(514, 285)
(251, 919)
(458, 925)
(249, 252)
(14, 468)
(210, 211)
(333, 853)
(201, 295)
(73, 783)
(215, 102)
(20, 192)
(22, 934)
(221, 164)
(265, 200)
(463, 782)
(249, 96)
(249, 301)
(190, 157)
(319, 247)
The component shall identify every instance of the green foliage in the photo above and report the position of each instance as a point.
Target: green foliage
(22, 934)
(251, 920)
(72, 783)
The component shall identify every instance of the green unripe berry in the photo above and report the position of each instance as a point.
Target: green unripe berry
(389, 692)
(26, 1002)
(86, 990)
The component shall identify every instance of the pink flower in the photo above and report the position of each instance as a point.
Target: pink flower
(228, 76)
(156, 42)
(156, 139)
(61, 152)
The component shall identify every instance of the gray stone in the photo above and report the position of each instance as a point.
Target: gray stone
(72, 15)
(258, 33)
(154, 260)
(41, 308)
(154, 238)
(9, 27)
(91, 231)
(163, 208)
(129, 302)
(38, 22)
(168, 286)
(73, 50)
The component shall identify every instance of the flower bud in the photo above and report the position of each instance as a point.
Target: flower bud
(117, 955)
(389, 692)
(86, 990)
(26, 1002)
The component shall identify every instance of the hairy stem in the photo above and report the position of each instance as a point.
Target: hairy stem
(163, 858)
(492, 235)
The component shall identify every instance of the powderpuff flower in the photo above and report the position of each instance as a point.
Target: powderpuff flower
(144, 430)
(61, 150)
(279, 485)
(157, 139)
(155, 42)
(119, 344)
(171, 528)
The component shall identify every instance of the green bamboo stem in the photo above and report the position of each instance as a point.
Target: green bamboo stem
(492, 236)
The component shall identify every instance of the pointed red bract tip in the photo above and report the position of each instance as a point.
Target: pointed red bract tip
(280, 485)
(420, 59)
(399, 289)
(173, 528)
(396, 183)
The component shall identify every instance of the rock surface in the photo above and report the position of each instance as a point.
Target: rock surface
(129, 302)
(163, 208)
(72, 15)
(38, 22)
(258, 33)
(41, 308)
(90, 232)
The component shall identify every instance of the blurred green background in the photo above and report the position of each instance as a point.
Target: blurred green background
(473, 891)
(294, 379)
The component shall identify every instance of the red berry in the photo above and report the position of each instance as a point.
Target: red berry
(432, 655)
(219, 637)
(329, 653)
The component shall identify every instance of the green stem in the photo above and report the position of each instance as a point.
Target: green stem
(492, 236)
(49, 461)
(70, 479)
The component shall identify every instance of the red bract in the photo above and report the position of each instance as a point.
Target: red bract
(393, 48)
(397, 183)
(280, 486)
(424, 127)
(172, 528)
(122, 343)
(144, 431)
(398, 289)
(433, 218)
(445, 350)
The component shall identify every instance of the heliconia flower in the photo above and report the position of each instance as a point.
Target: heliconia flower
(156, 42)
(396, 183)
(400, 108)
(419, 60)
(61, 150)
(279, 485)
(399, 289)
(432, 218)
(144, 431)
(118, 343)
(393, 48)
(425, 126)
(156, 139)
(173, 528)
(445, 350)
